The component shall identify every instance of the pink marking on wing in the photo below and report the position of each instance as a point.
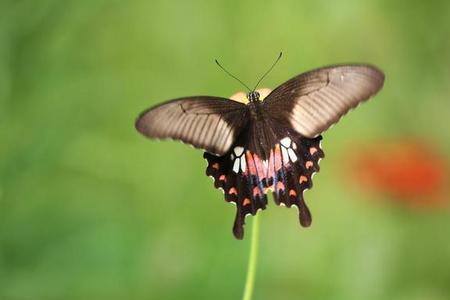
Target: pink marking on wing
(309, 164)
(232, 191)
(312, 150)
(280, 186)
(215, 166)
(292, 193)
(277, 157)
(250, 163)
(223, 178)
(260, 168)
(246, 201)
(270, 171)
(256, 191)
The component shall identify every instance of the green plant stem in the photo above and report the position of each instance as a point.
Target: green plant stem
(252, 260)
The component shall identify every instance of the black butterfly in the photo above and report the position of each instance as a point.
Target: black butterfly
(270, 144)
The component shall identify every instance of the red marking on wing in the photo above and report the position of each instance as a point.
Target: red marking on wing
(309, 164)
(223, 178)
(302, 179)
(271, 169)
(215, 166)
(256, 191)
(277, 157)
(232, 191)
(246, 201)
(260, 168)
(292, 193)
(280, 186)
(312, 150)
(250, 163)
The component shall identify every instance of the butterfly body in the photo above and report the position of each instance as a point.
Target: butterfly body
(266, 145)
(259, 136)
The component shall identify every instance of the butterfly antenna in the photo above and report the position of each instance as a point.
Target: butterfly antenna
(217, 62)
(268, 71)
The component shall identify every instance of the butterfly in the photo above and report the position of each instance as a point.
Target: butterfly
(270, 144)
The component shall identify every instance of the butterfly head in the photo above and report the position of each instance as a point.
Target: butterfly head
(253, 96)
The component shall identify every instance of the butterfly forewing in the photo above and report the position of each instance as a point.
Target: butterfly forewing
(209, 123)
(313, 101)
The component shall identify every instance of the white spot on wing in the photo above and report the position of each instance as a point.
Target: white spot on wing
(286, 142)
(238, 150)
(292, 155)
(243, 164)
(236, 165)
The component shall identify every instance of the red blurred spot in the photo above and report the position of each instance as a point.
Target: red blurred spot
(408, 171)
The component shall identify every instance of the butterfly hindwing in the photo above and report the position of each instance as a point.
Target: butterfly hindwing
(235, 174)
(245, 178)
(292, 164)
(209, 123)
(313, 101)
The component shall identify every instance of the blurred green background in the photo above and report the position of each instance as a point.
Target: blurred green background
(89, 209)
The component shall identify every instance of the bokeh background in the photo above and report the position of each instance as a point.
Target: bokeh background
(89, 209)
